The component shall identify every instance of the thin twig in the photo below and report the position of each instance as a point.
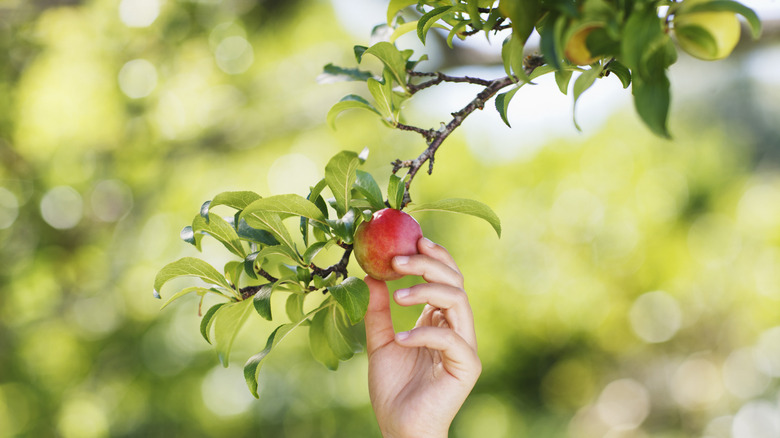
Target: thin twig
(434, 142)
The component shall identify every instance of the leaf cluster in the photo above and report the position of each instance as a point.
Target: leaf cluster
(269, 259)
(630, 39)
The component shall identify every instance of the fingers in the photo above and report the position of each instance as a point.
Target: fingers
(452, 303)
(458, 357)
(379, 325)
(433, 263)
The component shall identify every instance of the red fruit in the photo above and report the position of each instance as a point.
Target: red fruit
(389, 233)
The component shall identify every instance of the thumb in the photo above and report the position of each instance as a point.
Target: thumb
(379, 325)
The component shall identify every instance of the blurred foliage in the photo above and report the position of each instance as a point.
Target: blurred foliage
(634, 291)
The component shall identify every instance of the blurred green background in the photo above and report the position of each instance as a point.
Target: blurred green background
(635, 291)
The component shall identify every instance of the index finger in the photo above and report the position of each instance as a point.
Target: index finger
(438, 252)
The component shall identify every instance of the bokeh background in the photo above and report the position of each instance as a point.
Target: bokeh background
(635, 291)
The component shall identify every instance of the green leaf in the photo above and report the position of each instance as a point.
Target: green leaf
(502, 103)
(395, 6)
(642, 35)
(351, 101)
(367, 186)
(402, 29)
(250, 234)
(314, 249)
(253, 365)
(262, 301)
(189, 236)
(352, 296)
(318, 341)
(238, 200)
(383, 97)
(359, 51)
(427, 20)
(233, 270)
(344, 227)
(219, 229)
(651, 100)
(335, 329)
(287, 204)
(395, 192)
(524, 14)
(392, 58)
(340, 176)
(227, 323)
(332, 73)
(621, 71)
(269, 221)
(276, 250)
(551, 31)
(294, 306)
(189, 267)
(200, 290)
(207, 321)
(583, 82)
(463, 206)
(730, 6)
(455, 31)
(562, 79)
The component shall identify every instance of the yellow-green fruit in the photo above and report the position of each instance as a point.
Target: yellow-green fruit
(722, 26)
(576, 49)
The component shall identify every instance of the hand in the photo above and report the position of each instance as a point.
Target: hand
(419, 379)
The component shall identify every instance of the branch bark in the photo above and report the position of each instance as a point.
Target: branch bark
(434, 138)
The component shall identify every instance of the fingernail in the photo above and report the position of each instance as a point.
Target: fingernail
(427, 242)
(401, 336)
(401, 260)
(402, 293)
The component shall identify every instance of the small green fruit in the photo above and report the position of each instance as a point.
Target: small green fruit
(691, 29)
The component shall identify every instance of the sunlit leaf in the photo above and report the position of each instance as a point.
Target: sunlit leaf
(351, 101)
(200, 291)
(253, 365)
(395, 6)
(392, 58)
(227, 323)
(208, 320)
(367, 186)
(294, 306)
(286, 204)
(269, 221)
(463, 206)
(334, 321)
(189, 267)
(219, 229)
(340, 175)
(333, 73)
(238, 200)
(352, 296)
(314, 249)
(429, 18)
(318, 341)
(395, 191)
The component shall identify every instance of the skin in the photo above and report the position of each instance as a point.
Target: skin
(419, 379)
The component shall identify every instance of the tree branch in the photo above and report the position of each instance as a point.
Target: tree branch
(436, 138)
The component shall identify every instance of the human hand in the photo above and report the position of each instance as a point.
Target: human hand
(419, 379)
